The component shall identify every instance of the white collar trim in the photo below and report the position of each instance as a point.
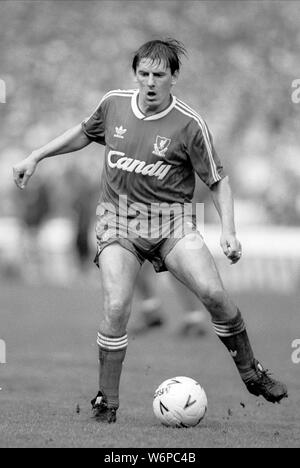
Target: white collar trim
(141, 116)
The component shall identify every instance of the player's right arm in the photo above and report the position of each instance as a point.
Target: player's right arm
(70, 141)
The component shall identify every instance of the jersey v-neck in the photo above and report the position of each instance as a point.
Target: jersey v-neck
(139, 114)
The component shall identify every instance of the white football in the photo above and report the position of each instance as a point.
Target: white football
(180, 402)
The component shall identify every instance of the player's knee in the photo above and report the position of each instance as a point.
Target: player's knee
(214, 298)
(116, 314)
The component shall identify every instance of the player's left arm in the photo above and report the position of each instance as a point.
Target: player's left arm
(209, 168)
(223, 200)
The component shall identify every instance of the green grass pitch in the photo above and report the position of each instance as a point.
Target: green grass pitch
(51, 375)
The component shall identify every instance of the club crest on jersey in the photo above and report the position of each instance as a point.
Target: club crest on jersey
(120, 131)
(161, 146)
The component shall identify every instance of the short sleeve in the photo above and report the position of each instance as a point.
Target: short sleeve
(203, 155)
(94, 126)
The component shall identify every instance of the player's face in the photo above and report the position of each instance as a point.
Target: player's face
(155, 81)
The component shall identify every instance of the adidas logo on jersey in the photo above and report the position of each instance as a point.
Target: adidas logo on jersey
(124, 163)
(120, 131)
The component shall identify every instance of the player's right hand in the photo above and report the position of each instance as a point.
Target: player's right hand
(23, 171)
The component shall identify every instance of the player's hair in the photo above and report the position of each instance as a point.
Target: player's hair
(168, 50)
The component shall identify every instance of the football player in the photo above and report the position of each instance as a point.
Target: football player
(155, 144)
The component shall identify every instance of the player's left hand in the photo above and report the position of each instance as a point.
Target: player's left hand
(231, 247)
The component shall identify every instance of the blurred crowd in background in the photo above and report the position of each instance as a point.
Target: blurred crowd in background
(58, 58)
